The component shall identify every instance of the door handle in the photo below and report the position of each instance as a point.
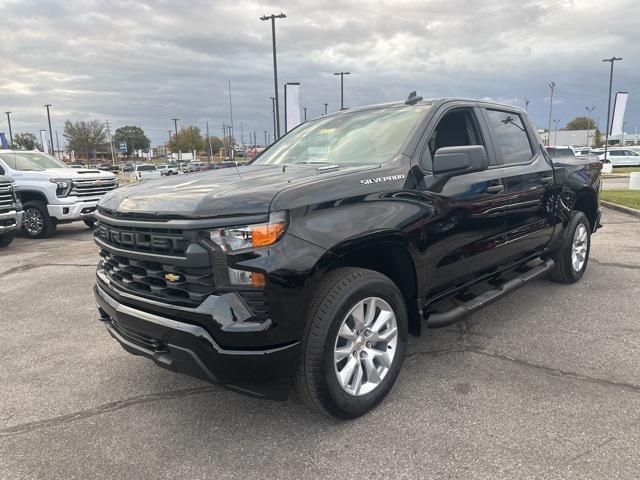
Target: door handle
(495, 189)
(546, 179)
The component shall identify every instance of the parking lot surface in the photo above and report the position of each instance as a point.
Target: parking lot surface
(542, 384)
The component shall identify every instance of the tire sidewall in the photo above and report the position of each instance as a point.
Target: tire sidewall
(578, 219)
(340, 403)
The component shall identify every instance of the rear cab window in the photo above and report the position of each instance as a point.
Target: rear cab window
(510, 137)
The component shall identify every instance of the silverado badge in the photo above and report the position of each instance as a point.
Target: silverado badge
(172, 277)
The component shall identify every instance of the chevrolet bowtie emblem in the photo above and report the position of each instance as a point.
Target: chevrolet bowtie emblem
(171, 277)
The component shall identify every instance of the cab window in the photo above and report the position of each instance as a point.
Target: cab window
(510, 137)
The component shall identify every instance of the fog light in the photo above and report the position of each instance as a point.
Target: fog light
(244, 277)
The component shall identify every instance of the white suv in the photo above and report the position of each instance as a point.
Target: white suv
(53, 193)
(621, 157)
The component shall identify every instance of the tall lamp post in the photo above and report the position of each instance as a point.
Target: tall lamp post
(342, 74)
(10, 132)
(273, 112)
(589, 112)
(275, 67)
(526, 104)
(611, 60)
(305, 113)
(175, 127)
(48, 105)
(552, 87)
(325, 107)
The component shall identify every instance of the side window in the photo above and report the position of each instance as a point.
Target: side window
(512, 141)
(617, 153)
(455, 129)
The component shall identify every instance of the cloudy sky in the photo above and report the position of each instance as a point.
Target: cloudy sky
(145, 62)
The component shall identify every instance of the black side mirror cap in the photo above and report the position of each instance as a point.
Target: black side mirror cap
(459, 160)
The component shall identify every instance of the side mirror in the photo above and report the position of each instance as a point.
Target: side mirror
(459, 160)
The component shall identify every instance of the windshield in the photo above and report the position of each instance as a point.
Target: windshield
(29, 161)
(365, 137)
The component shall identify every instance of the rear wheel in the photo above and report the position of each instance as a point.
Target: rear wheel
(353, 344)
(573, 255)
(36, 221)
(7, 238)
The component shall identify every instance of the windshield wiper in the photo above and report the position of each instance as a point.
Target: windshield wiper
(311, 162)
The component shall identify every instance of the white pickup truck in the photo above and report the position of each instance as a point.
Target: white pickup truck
(146, 171)
(53, 193)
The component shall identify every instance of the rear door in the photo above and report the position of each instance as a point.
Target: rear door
(528, 180)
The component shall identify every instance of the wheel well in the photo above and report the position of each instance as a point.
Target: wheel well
(30, 195)
(393, 261)
(587, 204)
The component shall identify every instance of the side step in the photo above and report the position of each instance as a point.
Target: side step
(442, 319)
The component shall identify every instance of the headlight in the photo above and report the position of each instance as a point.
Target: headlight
(251, 236)
(63, 186)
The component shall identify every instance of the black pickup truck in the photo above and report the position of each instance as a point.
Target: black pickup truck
(312, 265)
(10, 211)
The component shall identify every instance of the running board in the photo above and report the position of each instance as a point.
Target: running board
(442, 319)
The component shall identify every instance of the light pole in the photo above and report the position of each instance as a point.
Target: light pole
(175, 127)
(589, 112)
(209, 143)
(552, 86)
(273, 17)
(273, 112)
(10, 132)
(325, 108)
(48, 105)
(305, 113)
(526, 104)
(342, 74)
(611, 60)
(555, 140)
(265, 139)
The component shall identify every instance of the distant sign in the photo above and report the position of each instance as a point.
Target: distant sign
(123, 147)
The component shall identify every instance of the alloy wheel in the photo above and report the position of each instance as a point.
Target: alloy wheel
(365, 346)
(33, 221)
(579, 248)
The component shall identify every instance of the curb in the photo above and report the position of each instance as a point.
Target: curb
(621, 208)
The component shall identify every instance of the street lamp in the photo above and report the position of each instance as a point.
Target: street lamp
(325, 108)
(611, 60)
(10, 132)
(48, 105)
(552, 86)
(305, 113)
(275, 66)
(175, 126)
(589, 112)
(526, 104)
(555, 139)
(273, 113)
(342, 74)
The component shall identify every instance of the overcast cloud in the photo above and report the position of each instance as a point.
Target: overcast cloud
(143, 63)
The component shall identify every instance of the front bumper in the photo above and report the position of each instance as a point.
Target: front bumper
(11, 220)
(73, 211)
(190, 349)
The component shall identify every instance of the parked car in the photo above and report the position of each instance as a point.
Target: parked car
(561, 151)
(195, 167)
(108, 167)
(621, 157)
(312, 265)
(171, 169)
(52, 192)
(145, 171)
(10, 211)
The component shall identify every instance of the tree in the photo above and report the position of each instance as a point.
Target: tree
(581, 123)
(85, 136)
(133, 136)
(26, 141)
(216, 145)
(187, 140)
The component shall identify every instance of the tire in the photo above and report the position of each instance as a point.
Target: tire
(7, 238)
(90, 222)
(330, 315)
(577, 234)
(36, 222)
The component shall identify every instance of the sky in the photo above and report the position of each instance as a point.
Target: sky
(146, 62)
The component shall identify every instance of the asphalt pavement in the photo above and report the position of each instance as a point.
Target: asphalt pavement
(542, 384)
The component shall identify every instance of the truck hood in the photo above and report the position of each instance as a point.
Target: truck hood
(66, 173)
(216, 193)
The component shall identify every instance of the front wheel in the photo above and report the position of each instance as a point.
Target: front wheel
(36, 221)
(573, 255)
(353, 343)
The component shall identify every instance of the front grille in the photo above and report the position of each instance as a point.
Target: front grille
(6, 197)
(139, 339)
(92, 188)
(190, 285)
(152, 240)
